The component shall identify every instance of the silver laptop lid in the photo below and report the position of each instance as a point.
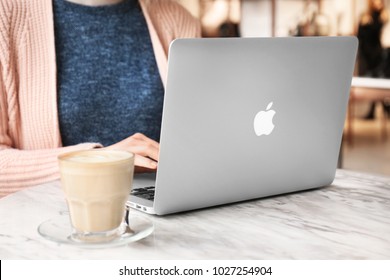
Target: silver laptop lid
(214, 147)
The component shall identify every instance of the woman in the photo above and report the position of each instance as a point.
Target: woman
(371, 52)
(82, 74)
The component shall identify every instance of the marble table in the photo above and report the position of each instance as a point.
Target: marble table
(349, 219)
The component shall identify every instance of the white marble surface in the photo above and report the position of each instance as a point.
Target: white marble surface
(348, 220)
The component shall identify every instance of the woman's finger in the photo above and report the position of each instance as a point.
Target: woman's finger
(145, 162)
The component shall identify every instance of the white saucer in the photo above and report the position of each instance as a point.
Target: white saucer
(58, 230)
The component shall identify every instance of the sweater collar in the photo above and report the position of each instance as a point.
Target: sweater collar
(121, 7)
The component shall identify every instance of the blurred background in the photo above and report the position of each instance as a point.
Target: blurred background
(366, 141)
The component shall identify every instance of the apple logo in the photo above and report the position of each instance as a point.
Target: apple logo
(263, 121)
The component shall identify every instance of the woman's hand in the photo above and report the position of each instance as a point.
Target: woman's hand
(146, 151)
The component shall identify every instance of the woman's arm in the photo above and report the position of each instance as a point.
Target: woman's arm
(22, 168)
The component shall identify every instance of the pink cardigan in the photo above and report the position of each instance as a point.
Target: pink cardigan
(29, 131)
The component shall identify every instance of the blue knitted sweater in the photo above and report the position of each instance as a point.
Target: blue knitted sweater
(109, 86)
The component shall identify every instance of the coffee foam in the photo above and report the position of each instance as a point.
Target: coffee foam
(97, 156)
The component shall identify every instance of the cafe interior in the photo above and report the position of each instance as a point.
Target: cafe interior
(347, 219)
(366, 139)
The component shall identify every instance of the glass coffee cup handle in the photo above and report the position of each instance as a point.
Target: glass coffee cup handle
(127, 230)
(127, 215)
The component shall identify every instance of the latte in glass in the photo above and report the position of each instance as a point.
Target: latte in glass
(97, 184)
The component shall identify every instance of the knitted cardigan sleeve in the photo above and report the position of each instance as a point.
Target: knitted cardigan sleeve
(19, 168)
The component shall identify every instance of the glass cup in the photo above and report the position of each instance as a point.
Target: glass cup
(96, 184)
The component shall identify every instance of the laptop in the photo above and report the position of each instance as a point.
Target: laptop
(247, 118)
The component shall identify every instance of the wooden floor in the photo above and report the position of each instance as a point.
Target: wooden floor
(369, 152)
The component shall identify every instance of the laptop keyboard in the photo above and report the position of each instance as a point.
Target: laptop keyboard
(146, 193)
